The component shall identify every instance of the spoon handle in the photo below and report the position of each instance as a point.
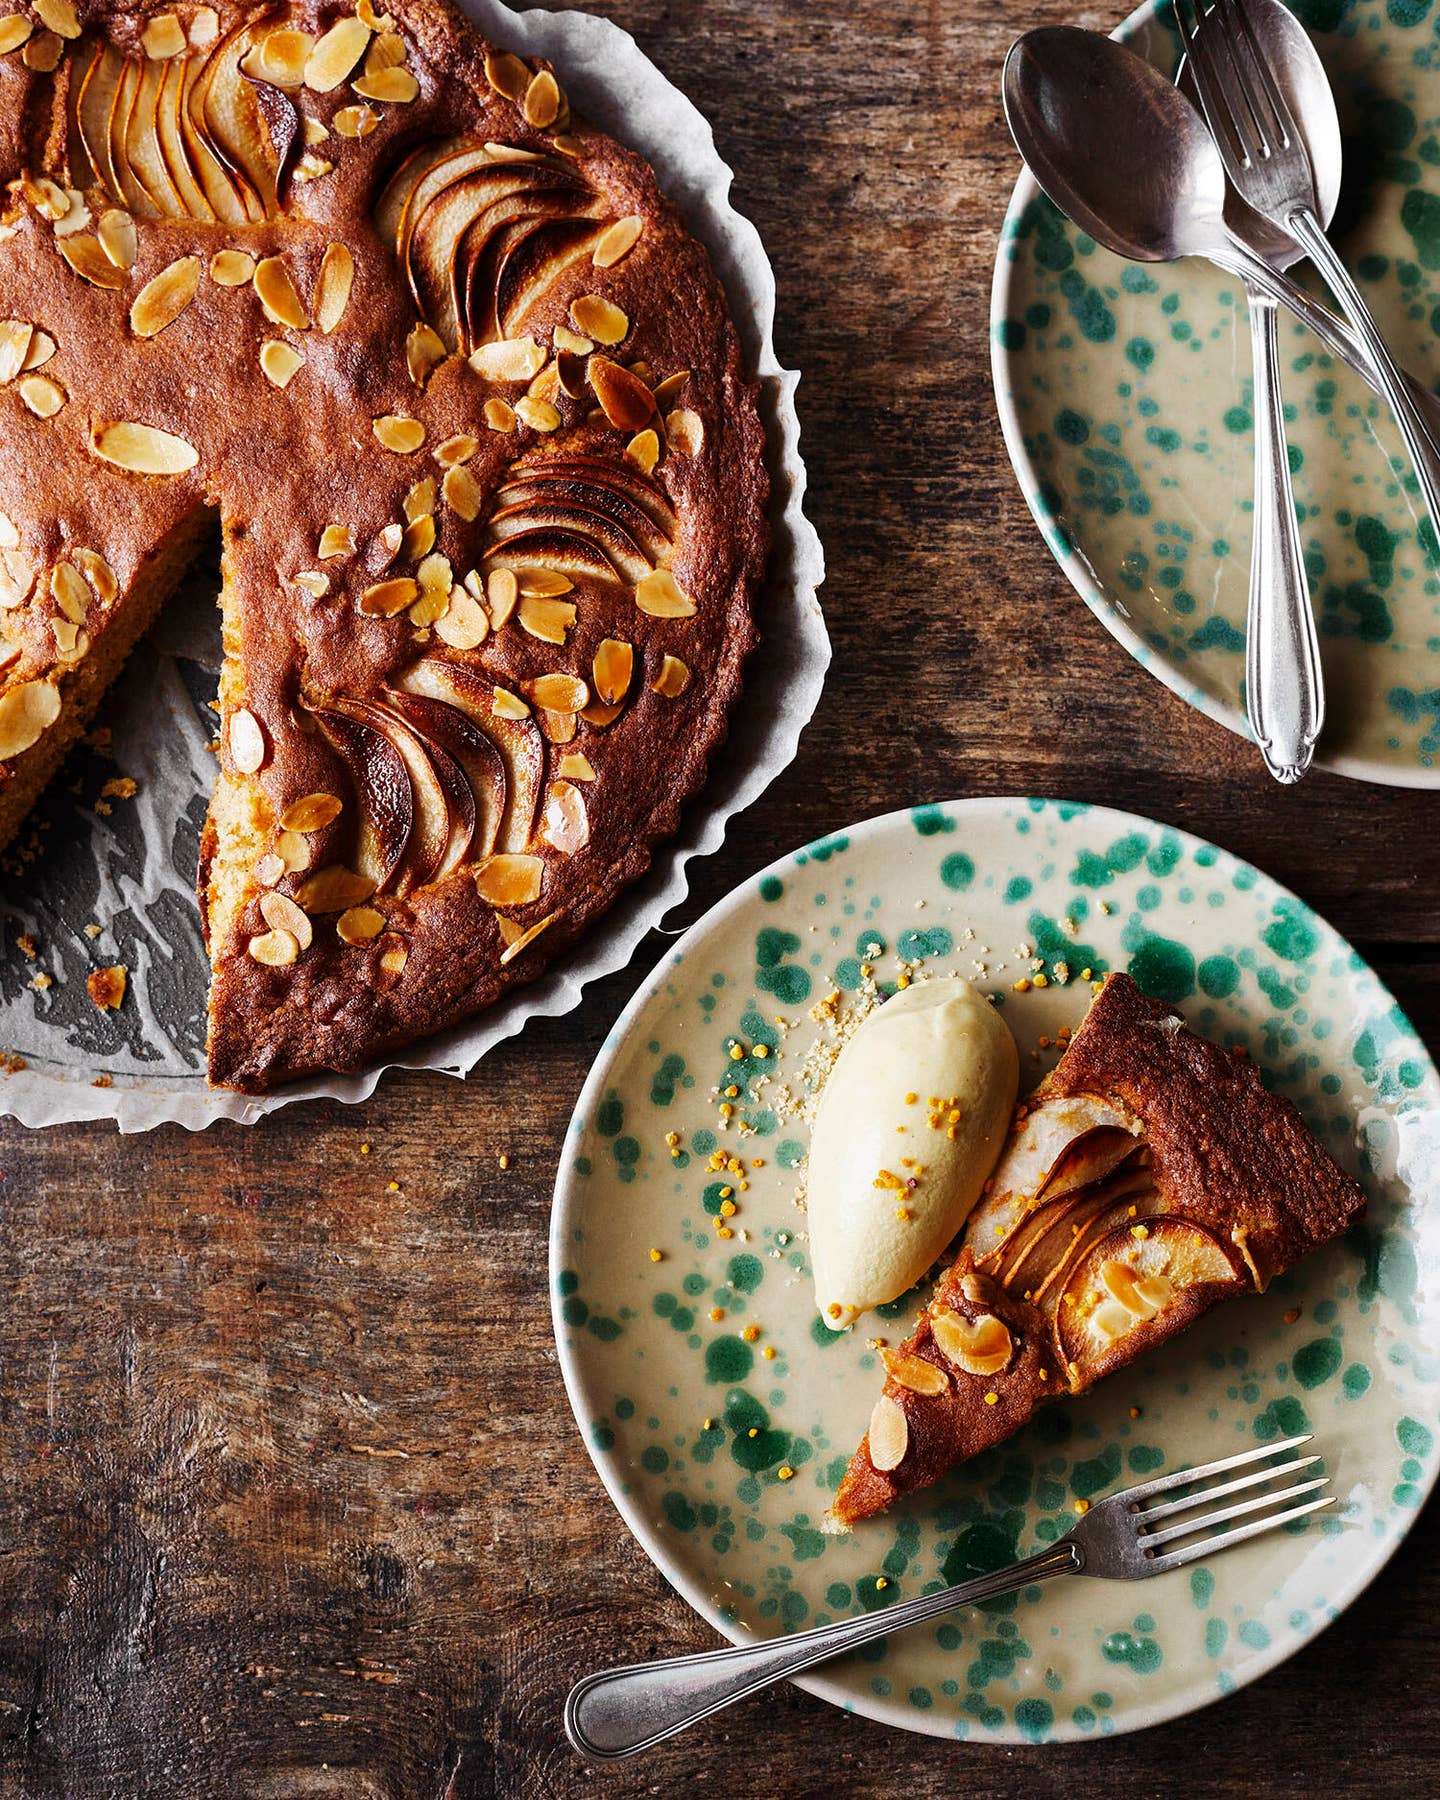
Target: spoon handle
(1283, 678)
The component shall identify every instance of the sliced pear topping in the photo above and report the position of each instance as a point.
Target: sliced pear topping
(332, 289)
(336, 54)
(889, 1434)
(979, 1346)
(165, 296)
(143, 449)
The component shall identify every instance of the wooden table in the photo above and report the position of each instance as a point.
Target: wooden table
(293, 1502)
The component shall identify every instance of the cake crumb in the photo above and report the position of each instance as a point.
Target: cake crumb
(106, 987)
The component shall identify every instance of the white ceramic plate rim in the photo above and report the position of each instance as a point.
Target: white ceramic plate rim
(1073, 565)
(1283, 1644)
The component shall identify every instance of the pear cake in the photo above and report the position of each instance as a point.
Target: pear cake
(469, 407)
(1148, 1177)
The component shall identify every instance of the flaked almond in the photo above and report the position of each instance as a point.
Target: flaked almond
(597, 318)
(506, 74)
(388, 542)
(420, 499)
(143, 449)
(278, 299)
(67, 636)
(332, 286)
(314, 582)
(509, 880)
(356, 121)
(542, 100)
(315, 132)
(43, 396)
(43, 52)
(333, 889)
(539, 415)
(387, 51)
(542, 583)
(644, 451)
(456, 450)
(662, 597)
(547, 620)
(280, 57)
(336, 54)
(673, 678)
(565, 825)
(500, 415)
(49, 199)
(980, 1346)
(424, 351)
(118, 238)
(246, 736)
(26, 713)
(399, 433)
(163, 37)
(232, 268)
(558, 692)
(506, 705)
(558, 727)
(502, 591)
(432, 605)
(576, 767)
(42, 348)
(204, 26)
(268, 869)
(889, 1434)
(386, 598)
(508, 359)
(1143, 1295)
(464, 624)
(377, 21)
(294, 852)
(359, 925)
(98, 573)
(15, 336)
(58, 16)
(280, 362)
(571, 342)
(70, 592)
(684, 430)
(282, 914)
(624, 398)
(312, 812)
(15, 29)
(336, 540)
(599, 715)
(394, 954)
(463, 493)
(419, 538)
(87, 258)
(617, 241)
(9, 533)
(275, 949)
(613, 669)
(393, 87)
(666, 390)
(914, 1372)
(516, 944)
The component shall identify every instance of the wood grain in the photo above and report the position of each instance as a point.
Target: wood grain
(293, 1501)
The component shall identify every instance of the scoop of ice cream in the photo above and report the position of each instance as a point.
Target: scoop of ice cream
(910, 1124)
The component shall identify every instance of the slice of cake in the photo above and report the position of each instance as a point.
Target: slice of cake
(1148, 1177)
(468, 406)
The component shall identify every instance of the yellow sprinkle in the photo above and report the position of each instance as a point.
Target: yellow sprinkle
(992, 1399)
(757, 1162)
(902, 981)
(750, 1333)
(727, 1111)
(1044, 1374)
(727, 1209)
(656, 1255)
(785, 1472)
(504, 1159)
(1022, 986)
(910, 1099)
(762, 1051)
(726, 1192)
(1042, 981)
(1140, 1231)
(731, 1093)
(882, 1582)
(904, 1214)
(364, 1149)
(834, 1309)
(672, 1137)
(754, 1431)
(724, 1231)
(768, 1353)
(709, 1425)
(744, 1187)
(1082, 1507)
(1085, 975)
(393, 1186)
(737, 1052)
(866, 970)
(717, 1313)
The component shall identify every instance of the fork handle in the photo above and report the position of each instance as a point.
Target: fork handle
(1306, 229)
(618, 1712)
(1283, 679)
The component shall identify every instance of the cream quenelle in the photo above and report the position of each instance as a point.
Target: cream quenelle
(909, 1126)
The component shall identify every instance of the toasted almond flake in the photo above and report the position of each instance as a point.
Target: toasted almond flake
(980, 1346)
(268, 869)
(559, 692)
(420, 500)
(49, 199)
(42, 348)
(889, 1434)
(463, 494)
(662, 597)
(43, 396)
(547, 620)
(433, 604)
(365, 10)
(333, 889)
(915, 1373)
(26, 713)
(542, 100)
(58, 16)
(597, 318)
(424, 351)
(118, 239)
(419, 538)
(89, 261)
(624, 398)
(315, 132)
(618, 241)
(15, 29)
(565, 825)
(65, 633)
(435, 575)
(204, 26)
(539, 415)
(312, 812)
(576, 767)
(643, 450)
(17, 578)
(70, 592)
(275, 949)
(163, 37)
(43, 52)
(389, 542)
(232, 268)
(281, 57)
(399, 432)
(502, 590)
(246, 737)
(336, 54)
(566, 339)
(396, 87)
(519, 942)
(356, 121)
(506, 74)
(282, 914)
(77, 215)
(544, 583)
(394, 954)
(668, 388)
(278, 299)
(336, 540)
(313, 581)
(499, 415)
(332, 286)
(506, 705)
(98, 573)
(280, 361)
(293, 851)
(613, 669)
(386, 52)
(359, 925)
(464, 625)
(9, 533)
(165, 296)
(684, 430)
(456, 450)
(509, 880)
(15, 339)
(673, 679)
(143, 449)
(558, 727)
(386, 598)
(509, 359)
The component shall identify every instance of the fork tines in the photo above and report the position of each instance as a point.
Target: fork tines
(1235, 78)
(1189, 1520)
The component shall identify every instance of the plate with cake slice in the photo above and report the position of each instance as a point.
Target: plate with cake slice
(961, 1168)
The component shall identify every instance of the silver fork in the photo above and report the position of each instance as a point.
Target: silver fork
(618, 1712)
(1264, 153)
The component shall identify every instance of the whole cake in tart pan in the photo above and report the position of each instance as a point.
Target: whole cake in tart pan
(469, 407)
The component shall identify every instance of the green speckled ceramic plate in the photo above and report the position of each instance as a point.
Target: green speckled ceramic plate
(698, 1380)
(1125, 393)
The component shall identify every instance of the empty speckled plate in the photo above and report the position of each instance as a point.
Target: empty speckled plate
(1125, 391)
(700, 1379)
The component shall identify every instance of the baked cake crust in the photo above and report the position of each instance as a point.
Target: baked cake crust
(1150, 1176)
(468, 684)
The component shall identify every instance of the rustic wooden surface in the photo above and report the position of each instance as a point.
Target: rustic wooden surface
(293, 1504)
